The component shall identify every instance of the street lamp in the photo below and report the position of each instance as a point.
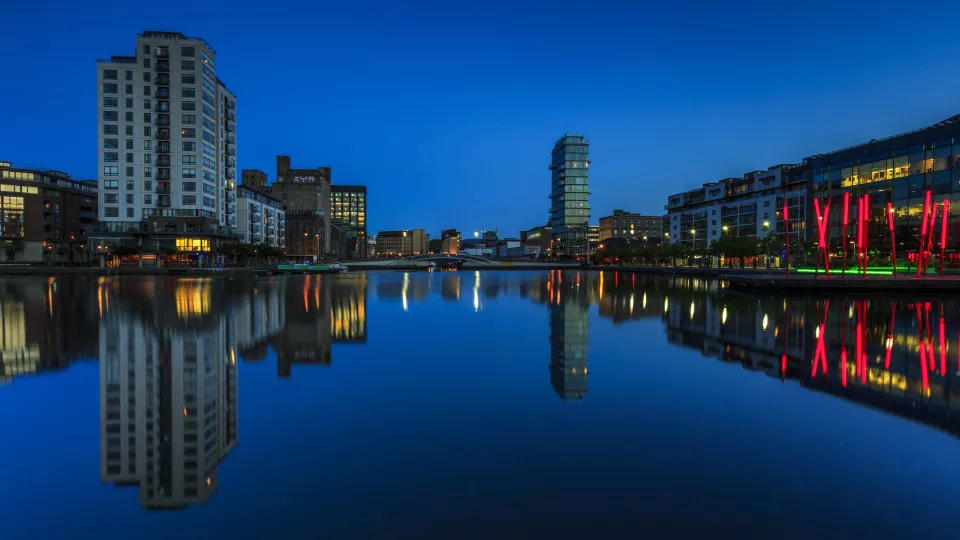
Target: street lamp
(725, 228)
(766, 224)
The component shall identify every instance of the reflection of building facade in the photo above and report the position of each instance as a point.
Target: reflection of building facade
(568, 334)
(348, 309)
(305, 338)
(168, 400)
(45, 324)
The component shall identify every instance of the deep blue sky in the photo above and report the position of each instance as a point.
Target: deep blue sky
(447, 111)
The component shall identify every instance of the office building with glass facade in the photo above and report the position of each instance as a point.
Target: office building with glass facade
(569, 192)
(348, 204)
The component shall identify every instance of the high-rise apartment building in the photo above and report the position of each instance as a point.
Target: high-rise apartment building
(348, 204)
(166, 146)
(569, 192)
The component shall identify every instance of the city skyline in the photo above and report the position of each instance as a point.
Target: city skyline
(687, 88)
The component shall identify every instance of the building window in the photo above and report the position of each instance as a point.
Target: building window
(147, 104)
(128, 130)
(146, 48)
(128, 76)
(189, 173)
(111, 211)
(129, 184)
(111, 157)
(147, 198)
(110, 184)
(146, 90)
(148, 145)
(110, 129)
(129, 212)
(188, 64)
(189, 160)
(188, 106)
(109, 74)
(147, 159)
(111, 102)
(129, 198)
(109, 88)
(188, 78)
(188, 186)
(111, 171)
(187, 51)
(148, 185)
(128, 89)
(128, 116)
(147, 118)
(188, 119)
(111, 143)
(148, 172)
(146, 74)
(189, 147)
(188, 132)
(146, 64)
(111, 198)
(189, 200)
(188, 91)
(110, 116)
(128, 103)
(129, 171)
(147, 130)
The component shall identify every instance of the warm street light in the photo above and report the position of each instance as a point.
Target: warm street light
(766, 224)
(726, 228)
(693, 232)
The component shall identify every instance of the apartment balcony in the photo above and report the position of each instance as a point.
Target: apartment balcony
(232, 163)
(163, 79)
(230, 151)
(163, 187)
(161, 52)
(163, 174)
(231, 197)
(163, 201)
(162, 66)
(88, 215)
(228, 104)
(231, 127)
(231, 138)
(162, 106)
(163, 120)
(163, 148)
(162, 93)
(163, 134)
(230, 115)
(162, 161)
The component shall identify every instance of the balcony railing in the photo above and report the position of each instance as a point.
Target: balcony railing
(231, 127)
(232, 163)
(230, 115)
(163, 161)
(162, 53)
(163, 106)
(163, 121)
(163, 148)
(163, 188)
(163, 174)
(232, 139)
(162, 93)
(163, 134)
(163, 80)
(163, 201)
(230, 151)
(163, 65)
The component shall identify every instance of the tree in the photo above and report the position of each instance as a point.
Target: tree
(435, 245)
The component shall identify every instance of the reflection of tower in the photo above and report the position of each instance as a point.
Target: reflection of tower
(450, 286)
(168, 404)
(306, 335)
(568, 334)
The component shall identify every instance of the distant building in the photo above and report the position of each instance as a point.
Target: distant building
(402, 243)
(166, 147)
(306, 194)
(509, 247)
(569, 193)
(371, 247)
(450, 241)
(538, 237)
(593, 235)
(45, 215)
(260, 217)
(631, 226)
(255, 179)
(349, 205)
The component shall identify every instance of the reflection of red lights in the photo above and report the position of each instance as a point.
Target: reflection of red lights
(822, 230)
(923, 351)
(820, 355)
(889, 344)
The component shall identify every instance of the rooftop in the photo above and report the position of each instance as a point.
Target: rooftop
(953, 121)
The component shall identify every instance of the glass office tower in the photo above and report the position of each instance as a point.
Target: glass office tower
(569, 208)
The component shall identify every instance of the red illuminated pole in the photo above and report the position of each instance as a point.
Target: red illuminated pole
(923, 231)
(866, 231)
(859, 235)
(943, 234)
(846, 220)
(893, 239)
(819, 216)
(786, 234)
(930, 228)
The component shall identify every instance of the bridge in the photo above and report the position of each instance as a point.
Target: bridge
(435, 257)
(473, 261)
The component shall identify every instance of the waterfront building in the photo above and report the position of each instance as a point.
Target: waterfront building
(255, 178)
(593, 235)
(306, 196)
(449, 241)
(899, 171)
(402, 243)
(623, 224)
(260, 217)
(166, 146)
(45, 215)
(746, 206)
(348, 204)
(569, 193)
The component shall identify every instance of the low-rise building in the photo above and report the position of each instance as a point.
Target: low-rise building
(593, 234)
(402, 243)
(45, 215)
(450, 241)
(260, 217)
(631, 226)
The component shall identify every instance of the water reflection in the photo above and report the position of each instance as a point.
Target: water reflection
(169, 348)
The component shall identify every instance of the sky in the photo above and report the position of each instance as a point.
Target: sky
(447, 111)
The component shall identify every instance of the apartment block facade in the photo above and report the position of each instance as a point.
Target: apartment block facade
(623, 224)
(402, 243)
(569, 194)
(166, 146)
(261, 217)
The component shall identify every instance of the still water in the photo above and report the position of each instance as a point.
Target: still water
(472, 405)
